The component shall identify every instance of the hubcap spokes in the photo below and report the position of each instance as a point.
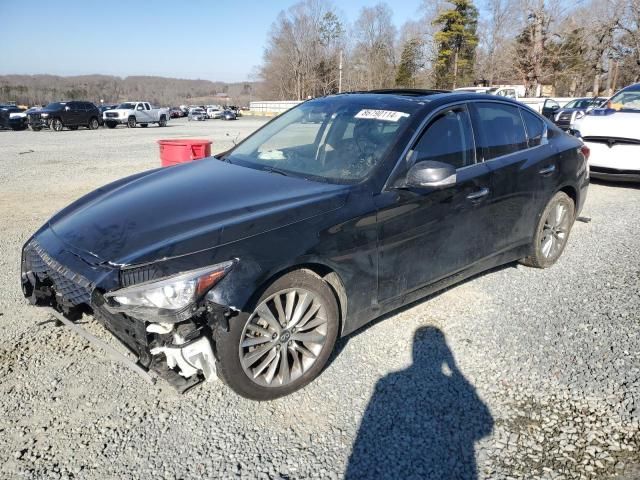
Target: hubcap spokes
(283, 337)
(554, 232)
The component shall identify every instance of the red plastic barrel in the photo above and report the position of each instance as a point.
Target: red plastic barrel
(173, 152)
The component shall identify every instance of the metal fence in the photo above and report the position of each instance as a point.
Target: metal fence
(271, 107)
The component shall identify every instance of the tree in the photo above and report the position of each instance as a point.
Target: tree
(531, 58)
(372, 62)
(456, 40)
(301, 56)
(410, 63)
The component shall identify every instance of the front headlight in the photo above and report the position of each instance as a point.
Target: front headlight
(172, 299)
(44, 115)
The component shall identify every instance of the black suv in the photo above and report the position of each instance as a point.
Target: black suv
(72, 115)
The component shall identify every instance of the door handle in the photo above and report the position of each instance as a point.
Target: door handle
(547, 170)
(483, 192)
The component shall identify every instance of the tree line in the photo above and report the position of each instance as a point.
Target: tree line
(574, 47)
(42, 89)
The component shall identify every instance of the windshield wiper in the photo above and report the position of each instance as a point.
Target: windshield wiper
(275, 170)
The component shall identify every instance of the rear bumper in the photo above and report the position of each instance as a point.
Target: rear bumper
(615, 175)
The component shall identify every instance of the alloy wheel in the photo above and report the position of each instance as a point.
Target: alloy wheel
(283, 337)
(555, 230)
(57, 125)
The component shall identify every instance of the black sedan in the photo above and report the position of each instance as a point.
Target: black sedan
(249, 265)
(575, 110)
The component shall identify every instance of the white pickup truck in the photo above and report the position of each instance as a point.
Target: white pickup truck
(134, 113)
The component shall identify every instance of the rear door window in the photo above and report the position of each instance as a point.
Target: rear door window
(500, 129)
(535, 128)
(448, 139)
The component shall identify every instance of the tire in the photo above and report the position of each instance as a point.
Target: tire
(35, 129)
(56, 125)
(111, 124)
(131, 122)
(552, 232)
(301, 368)
(163, 121)
(93, 124)
(144, 125)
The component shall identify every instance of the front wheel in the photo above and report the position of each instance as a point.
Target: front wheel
(111, 124)
(284, 343)
(552, 232)
(131, 123)
(56, 124)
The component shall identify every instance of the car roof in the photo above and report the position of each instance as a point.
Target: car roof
(425, 97)
(632, 88)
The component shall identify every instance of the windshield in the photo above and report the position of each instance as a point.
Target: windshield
(335, 139)
(628, 100)
(127, 106)
(56, 105)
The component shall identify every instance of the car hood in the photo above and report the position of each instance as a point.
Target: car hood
(609, 123)
(187, 208)
(45, 110)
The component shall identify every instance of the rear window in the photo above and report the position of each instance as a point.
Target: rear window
(501, 130)
(535, 128)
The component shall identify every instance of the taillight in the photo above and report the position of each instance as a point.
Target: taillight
(586, 151)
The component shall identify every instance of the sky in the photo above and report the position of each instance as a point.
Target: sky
(211, 40)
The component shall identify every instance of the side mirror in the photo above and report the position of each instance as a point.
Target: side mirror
(430, 174)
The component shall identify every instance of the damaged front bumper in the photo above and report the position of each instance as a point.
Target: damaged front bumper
(182, 353)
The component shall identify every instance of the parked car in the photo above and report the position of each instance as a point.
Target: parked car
(235, 110)
(12, 117)
(612, 133)
(575, 110)
(229, 115)
(197, 114)
(304, 232)
(175, 113)
(214, 112)
(133, 113)
(58, 115)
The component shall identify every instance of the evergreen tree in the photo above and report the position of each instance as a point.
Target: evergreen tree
(410, 63)
(456, 40)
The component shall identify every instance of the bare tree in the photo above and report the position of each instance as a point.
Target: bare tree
(373, 57)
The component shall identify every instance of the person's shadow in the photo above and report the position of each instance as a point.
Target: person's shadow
(421, 422)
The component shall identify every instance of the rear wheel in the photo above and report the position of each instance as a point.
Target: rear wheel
(552, 232)
(56, 124)
(93, 124)
(131, 122)
(284, 343)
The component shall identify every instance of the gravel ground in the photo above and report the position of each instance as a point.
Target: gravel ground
(518, 373)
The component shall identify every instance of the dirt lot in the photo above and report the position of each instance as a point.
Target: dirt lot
(517, 373)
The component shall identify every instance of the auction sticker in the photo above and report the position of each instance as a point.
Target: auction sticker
(387, 115)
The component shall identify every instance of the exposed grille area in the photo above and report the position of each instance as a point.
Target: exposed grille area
(134, 276)
(111, 114)
(73, 287)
